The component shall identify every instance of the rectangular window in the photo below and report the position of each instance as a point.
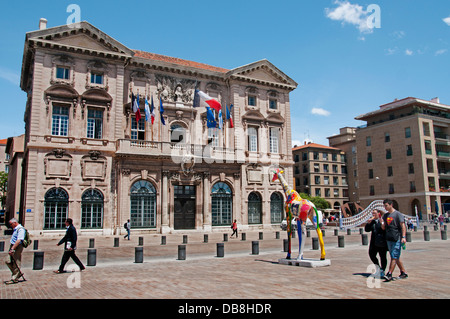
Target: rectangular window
(273, 104)
(410, 168)
(336, 192)
(252, 139)
(409, 150)
(137, 130)
(369, 157)
(368, 141)
(370, 173)
(96, 78)
(391, 189)
(213, 136)
(252, 100)
(387, 137)
(94, 124)
(407, 132)
(371, 190)
(274, 132)
(318, 192)
(325, 168)
(412, 187)
(60, 121)
(390, 171)
(388, 154)
(62, 73)
(317, 180)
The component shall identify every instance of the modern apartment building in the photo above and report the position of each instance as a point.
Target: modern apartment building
(89, 157)
(403, 153)
(321, 170)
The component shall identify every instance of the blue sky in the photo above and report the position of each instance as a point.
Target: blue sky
(343, 67)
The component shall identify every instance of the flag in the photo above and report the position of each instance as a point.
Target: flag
(161, 111)
(220, 120)
(152, 111)
(135, 105)
(210, 119)
(147, 110)
(229, 117)
(201, 98)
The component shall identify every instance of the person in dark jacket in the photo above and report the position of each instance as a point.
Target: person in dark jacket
(70, 245)
(378, 243)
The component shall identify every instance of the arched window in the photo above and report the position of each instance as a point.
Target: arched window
(92, 209)
(254, 208)
(56, 204)
(276, 208)
(143, 205)
(221, 204)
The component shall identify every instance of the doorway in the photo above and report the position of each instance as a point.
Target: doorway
(184, 206)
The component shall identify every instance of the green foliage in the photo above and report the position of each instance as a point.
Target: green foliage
(319, 202)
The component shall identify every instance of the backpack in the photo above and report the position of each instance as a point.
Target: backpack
(27, 240)
(125, 226)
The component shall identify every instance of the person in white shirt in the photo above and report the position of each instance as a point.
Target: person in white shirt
(14, 258)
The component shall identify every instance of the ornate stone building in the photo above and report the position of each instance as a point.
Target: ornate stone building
(86, 156)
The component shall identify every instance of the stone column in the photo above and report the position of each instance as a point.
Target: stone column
(165, 228)
(206, 200)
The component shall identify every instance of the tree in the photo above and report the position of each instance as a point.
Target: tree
(318, 201)
(3, 187)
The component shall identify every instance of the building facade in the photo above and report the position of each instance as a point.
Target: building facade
(87, 156)
(403, 153)
(321, 171)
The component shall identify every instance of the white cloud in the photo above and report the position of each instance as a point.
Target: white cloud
(447, 20)
(320, 111)
(390, 51)
(350, 13)
(440, 52)
(408, 52)
(398, 34)
(9, 76)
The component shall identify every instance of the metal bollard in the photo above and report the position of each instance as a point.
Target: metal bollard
(2, 246)
(425, 227)
(443, 235)
(341, 241)
(349, 231)
(220, 250)
(116, 242)
(294, 233)
(35, 244)
(139, 255)
(185, 239)
(361, 231)
(181, 252)
(315, 243)
(277, 235)
(308, 233)
(141, 241)
(415, 228)
(38, 260)
(408, 237)
(205, 238)
(285, 245)
(163, 240)
(255, 247)
(436, 227)
(261, 235)
(426, 235)
(336, 232)
(364, 239)
(225, 237)
(91, 243)
(92, 257)
(243, 236)
(323, 232)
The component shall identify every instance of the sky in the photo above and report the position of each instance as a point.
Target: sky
(348, 57)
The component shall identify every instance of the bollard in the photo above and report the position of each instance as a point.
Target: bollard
(225, 237)
(425, 227)
(277, 235)
(261, 235)
(349, 231)
(315, 243)
(205, 238)
(2, 246)
(341, 242)
(243, 236)
(336, 232)
(445, 227)
(141, 241)
(185, 239)
(163, 240)
(436, 227)
(323, 232)
(220, 250)
(92, 257)
(308, 233)
(38, 260)
(138, 255)
(294, 233)
(181, 252)
(255, 247)
(361, 231)
(35, 244)
(443, 235)
(426, 235)
(408, 237)
(285, 245)
(364, 239)
(116, 242)
(415, 228)
(91, 243)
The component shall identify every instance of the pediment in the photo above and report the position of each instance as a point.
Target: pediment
(263, 71)
(253, 116)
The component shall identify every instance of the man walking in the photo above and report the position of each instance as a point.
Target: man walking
(70, 244)
(14, 258)
(128, 228)
(393, 223)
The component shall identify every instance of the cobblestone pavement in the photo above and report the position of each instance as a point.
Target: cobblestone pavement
(237, 275)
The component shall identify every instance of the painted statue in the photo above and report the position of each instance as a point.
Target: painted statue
(299, 209)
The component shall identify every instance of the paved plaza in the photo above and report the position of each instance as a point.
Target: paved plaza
(239, 275)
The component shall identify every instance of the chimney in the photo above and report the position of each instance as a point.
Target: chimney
(435, 100)
(42, 24)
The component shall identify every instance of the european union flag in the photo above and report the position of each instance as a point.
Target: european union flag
(210, 119)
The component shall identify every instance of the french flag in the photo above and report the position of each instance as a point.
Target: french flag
(229, 116)
(201, 98)
(135, 105)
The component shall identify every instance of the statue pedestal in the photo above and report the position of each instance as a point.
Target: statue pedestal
(311, 263)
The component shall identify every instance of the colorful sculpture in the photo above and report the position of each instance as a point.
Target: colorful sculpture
(299, 209)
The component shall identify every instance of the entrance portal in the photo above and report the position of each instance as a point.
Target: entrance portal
(184, 207)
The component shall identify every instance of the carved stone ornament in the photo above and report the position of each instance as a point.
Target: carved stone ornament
(187, 164)
(175, 90)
